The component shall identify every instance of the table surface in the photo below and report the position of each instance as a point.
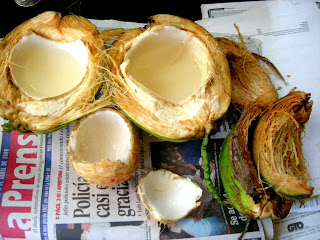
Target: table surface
(11, 14)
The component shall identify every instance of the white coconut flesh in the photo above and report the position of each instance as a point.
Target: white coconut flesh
(170, 62)
(168, 196)
(103, 135)
(44, 68)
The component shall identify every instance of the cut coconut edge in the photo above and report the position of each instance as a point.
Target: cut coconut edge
(101, 153)
(184, 195)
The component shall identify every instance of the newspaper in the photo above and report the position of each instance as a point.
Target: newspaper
(216, 10)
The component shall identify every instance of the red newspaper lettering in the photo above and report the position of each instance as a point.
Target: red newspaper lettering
(16, 205)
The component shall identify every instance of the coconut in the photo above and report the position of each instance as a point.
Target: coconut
(174, 74)
(104, 147)
(168, 196)
(51, 69)
(241, 181)
(277, 146)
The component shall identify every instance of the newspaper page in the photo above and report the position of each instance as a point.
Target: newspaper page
(216, 10)
(298, 226)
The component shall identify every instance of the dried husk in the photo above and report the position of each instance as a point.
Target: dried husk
(250, 80)
(240, 178)
(46, 115)
(162, 118)
(277, 146)
(106, 172)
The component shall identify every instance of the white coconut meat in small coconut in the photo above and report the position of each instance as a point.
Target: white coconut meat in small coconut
(104, 148)
(51, 69)
(174, 74)
(168, 196)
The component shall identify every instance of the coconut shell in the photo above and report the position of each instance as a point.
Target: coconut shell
(162, 118)
(46, 115)
(277, 146)
(106, 172)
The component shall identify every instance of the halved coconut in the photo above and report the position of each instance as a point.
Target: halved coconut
(174, 74)
(51, 69)
(167, 196)
(104, 147)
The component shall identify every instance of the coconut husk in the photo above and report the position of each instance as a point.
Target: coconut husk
(250, 80)
(277, 146)
(241, 180)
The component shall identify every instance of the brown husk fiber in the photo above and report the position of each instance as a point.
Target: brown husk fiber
(250, 81)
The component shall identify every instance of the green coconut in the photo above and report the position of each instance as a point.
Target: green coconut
(240, 178)
(170, 78)
(50, 68)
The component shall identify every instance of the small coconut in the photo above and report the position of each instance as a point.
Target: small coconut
(51, 69)
(104, 147)
(174, 74)
(168, 196)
